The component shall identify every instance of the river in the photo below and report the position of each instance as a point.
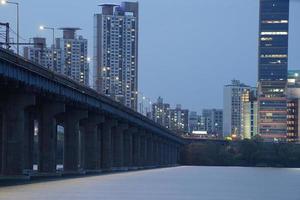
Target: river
(180, 183)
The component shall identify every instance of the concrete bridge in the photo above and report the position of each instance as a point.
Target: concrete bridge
(99, 134)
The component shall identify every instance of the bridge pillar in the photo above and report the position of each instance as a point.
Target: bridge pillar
(28, 139)
(90, 142)
(107, 151)
(154, 151)
(128, 146)
(118, 152)
(1, 136)
(48, 135)
(136, 149)
(71, 138)
(149, 159)
(143, 154)
(161, 152)
(13, 124)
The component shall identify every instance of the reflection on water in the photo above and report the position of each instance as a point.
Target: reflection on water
(181, 183)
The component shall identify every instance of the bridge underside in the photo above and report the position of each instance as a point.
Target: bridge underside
(92, 139)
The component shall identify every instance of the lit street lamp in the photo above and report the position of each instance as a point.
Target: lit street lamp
(3, 2)
(53, 40)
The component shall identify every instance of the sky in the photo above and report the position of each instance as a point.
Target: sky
(188, 49)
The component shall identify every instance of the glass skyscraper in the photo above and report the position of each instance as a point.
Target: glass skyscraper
(272, 69)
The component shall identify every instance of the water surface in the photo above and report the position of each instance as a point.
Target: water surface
(181, 183)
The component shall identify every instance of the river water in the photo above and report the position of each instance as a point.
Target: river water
(180, 183)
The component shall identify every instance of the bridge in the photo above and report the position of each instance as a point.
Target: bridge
(99, 133)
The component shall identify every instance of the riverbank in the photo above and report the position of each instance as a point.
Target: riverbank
(247, 153)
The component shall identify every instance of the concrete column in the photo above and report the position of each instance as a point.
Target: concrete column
(150, 150)
(71, 138)
(48, 135)
(128, 146)
(107, 152)
(136, 149)
(161, 150)
(1, 136)
(99, 145)
(90, 140)
(118, 152)
(143, 147)
(28, 142)
(13, 124)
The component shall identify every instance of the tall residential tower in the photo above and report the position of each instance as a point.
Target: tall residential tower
(116, 52)
(272, 69)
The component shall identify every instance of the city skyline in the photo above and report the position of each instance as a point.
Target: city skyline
(204, 72)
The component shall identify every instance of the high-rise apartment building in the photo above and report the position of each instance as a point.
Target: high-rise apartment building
(232, 103)
(272, 69)
(41, 54)
(68, 56)
(179, 120)
(116, 52)
(73, 55)
(193, 121)
(161, 113)
(213, 121)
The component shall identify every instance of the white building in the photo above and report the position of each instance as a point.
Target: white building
(232, 107)
(116, 52)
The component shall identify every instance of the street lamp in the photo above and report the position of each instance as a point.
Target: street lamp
(3, 2)
(53, 40)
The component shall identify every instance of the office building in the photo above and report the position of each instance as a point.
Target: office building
(293, 114)
(272, 69)
(232, 103)
(179, 120)
(116, 52)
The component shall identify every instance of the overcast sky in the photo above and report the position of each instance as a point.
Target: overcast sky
(189, 49)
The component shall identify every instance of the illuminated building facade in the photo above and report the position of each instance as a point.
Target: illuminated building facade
(249, 114)
(116, 52)
(272, 69)
(293, 114)
(232, 103)
(179, 120)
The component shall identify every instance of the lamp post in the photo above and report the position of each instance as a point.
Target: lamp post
(18, 24)
(53, 40)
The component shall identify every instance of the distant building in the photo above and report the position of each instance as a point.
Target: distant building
(68, 56)
(41, 54)
(213, 119)
(179, 120)
(161, 113)
(116, 52)
(193, 121)
(232, 103)
(72, 61)
(293, 112)
(272, 69)
(249, 113)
